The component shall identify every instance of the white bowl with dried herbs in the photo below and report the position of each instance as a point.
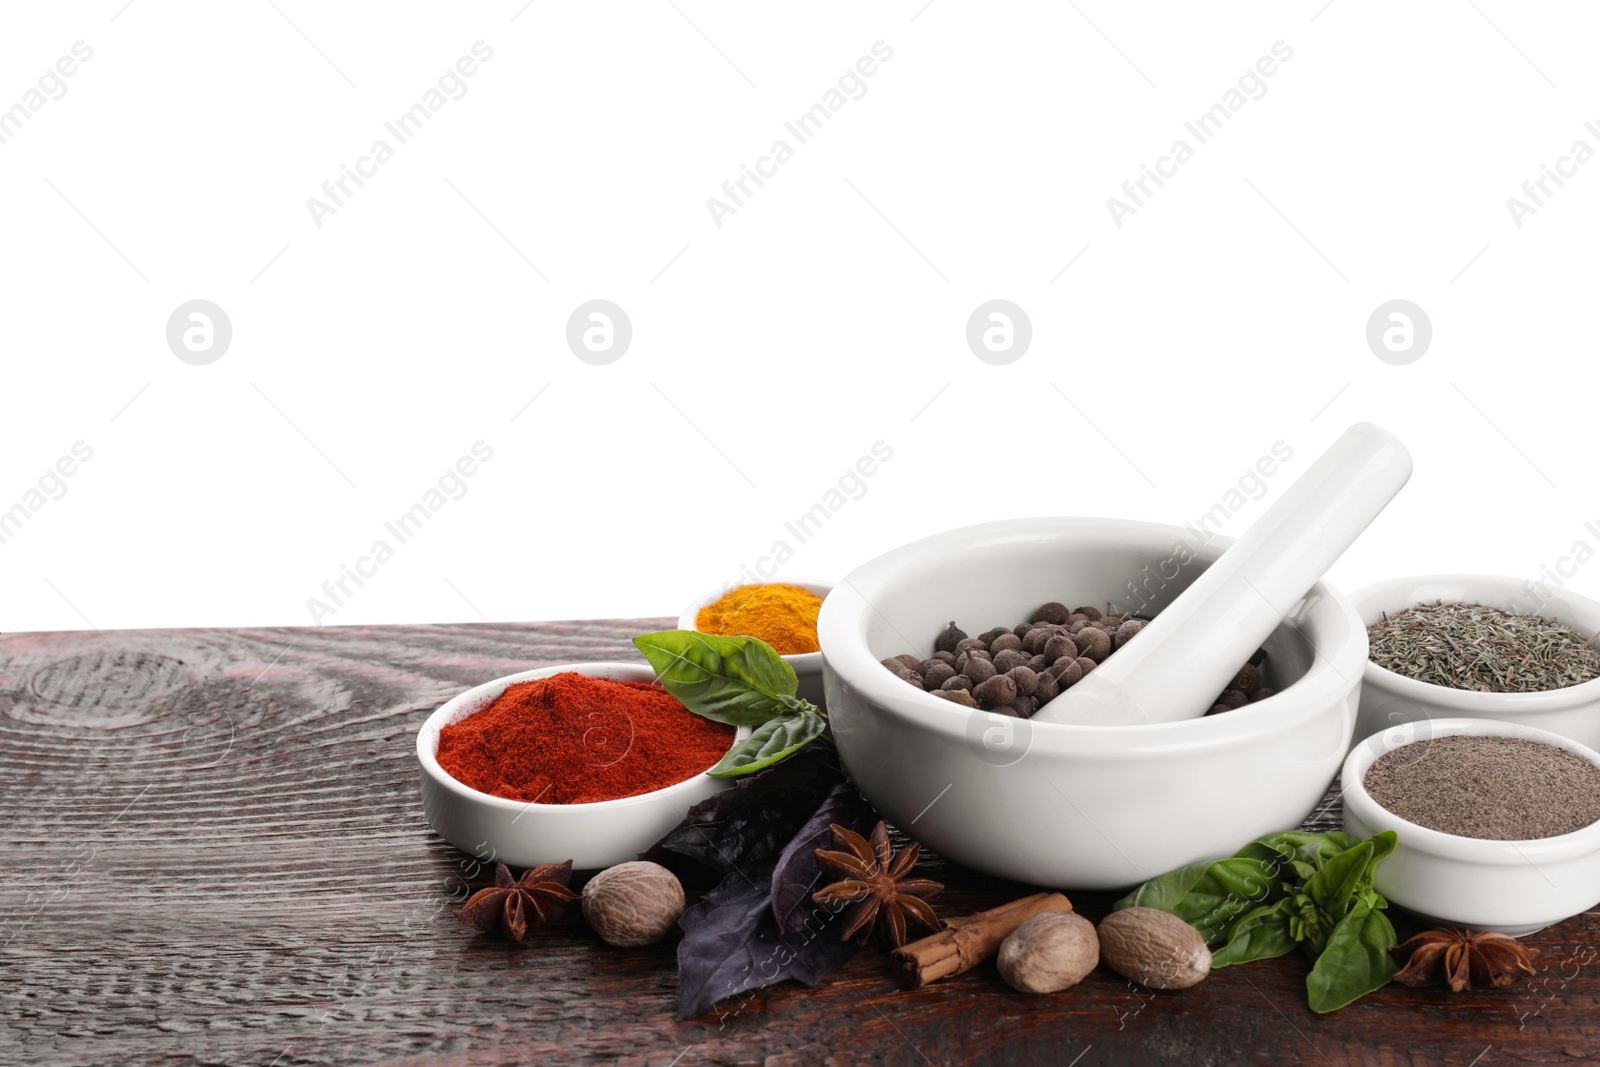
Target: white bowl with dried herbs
(1498, 822)
(1480, 647)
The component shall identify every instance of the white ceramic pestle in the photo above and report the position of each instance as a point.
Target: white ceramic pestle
(1192, 649)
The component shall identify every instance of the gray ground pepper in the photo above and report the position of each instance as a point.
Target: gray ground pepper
(1500, 788)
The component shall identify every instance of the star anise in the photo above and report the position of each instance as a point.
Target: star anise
(871, 884)
(515, 905)
(1463, 958)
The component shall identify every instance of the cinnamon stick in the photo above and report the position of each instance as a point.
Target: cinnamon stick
(965, 943)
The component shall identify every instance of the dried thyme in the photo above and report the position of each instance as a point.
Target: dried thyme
(1470, 646)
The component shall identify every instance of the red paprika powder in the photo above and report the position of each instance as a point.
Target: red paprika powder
(573, 739)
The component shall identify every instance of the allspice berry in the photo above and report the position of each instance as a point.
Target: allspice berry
(1009, 658)
(957, 696)
(1048, 953)
(1248, 680)
(1233, 699)
(979, 670)
(947, 641)
(1126, 632)
(1051, 612)
(935, 673)
(1026, 681)
(997, 690)
(1066, 672)
(1060, 645)
(633, 903)
(1096, 644)
(1003, 642)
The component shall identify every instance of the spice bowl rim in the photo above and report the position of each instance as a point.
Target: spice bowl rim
(1475, 850)
(1372, 602)
(802, 662)
(480, 697)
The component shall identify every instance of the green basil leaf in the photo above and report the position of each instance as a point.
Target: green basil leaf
(1300, 847)
(1260, 934)
(1356, 961)
(1333, 888)
(1210, 896)
(735, 680)
(1382, 845)
(769, 743)
(1166, 891)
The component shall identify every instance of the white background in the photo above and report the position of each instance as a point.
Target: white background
(768, 354)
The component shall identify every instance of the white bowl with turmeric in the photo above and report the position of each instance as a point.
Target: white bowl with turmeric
(782, 612)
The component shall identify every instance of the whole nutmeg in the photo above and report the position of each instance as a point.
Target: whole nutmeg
(1096, 644)
(633, 903)
(1051, 612)
(1127, 631)
(996, 690)
(947, 641)
(1154, 948)
(1049, 952)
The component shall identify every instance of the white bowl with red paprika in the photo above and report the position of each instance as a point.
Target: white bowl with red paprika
(590, 762)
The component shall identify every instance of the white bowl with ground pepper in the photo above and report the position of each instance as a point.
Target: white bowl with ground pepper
(1069, 806)
(1497, 784)
(1389, 697)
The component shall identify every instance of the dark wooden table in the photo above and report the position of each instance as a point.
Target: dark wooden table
(214, 853)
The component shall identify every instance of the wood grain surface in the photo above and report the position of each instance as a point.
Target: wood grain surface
(214, 854)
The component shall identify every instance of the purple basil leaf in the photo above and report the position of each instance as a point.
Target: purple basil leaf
(749, 824)
(731, 944)
(797, 873)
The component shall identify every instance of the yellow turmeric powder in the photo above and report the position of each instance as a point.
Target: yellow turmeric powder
(784, 616)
